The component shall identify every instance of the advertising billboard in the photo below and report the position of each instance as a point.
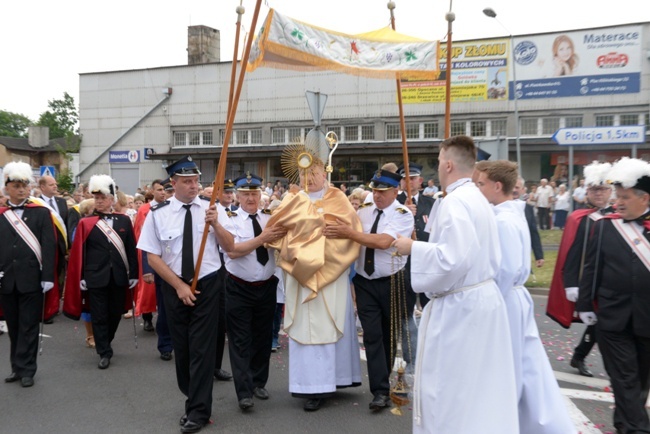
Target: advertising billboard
(479, 72)
(578, 63)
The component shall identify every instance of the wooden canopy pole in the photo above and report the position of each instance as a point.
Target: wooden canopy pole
(232, 110)
(450, 17)
(402, 122)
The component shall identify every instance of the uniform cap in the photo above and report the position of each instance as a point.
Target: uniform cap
(596, 174)
(631, 173)
(102, 184)
(384, 180)
(183, 167)
(414, 170)
(248, 182)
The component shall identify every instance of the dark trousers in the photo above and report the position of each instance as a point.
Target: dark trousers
(586, 343)
(221, 324)
(627, 361)
(162, 328)
(374, 310)
(23, 315)
(543, 217)
(194, 337)
(249, 318)
(106, 309)
(277, 320)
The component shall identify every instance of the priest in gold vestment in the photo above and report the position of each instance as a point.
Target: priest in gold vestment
(319, 315)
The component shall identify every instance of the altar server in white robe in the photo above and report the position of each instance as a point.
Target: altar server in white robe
(542, 409)
(464, 373)
(319, 315)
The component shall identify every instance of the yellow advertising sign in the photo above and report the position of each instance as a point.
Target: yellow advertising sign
(479, 73)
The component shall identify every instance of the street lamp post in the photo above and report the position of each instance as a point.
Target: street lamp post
(489, 12)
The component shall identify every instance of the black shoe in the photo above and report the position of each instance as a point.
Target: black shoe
(313, 404)
(261, 393)
(379, 402)
(48, 321)
(222, 375)
(246, 403)
(183, 420)
(104, 362)
(166, 356)
(579, 364)
(148, 327)
(27, 381)
(13, 377)
(191, 426)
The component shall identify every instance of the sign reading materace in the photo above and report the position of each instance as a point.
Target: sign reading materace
(621, 135)
(603, 61)
(124, 156)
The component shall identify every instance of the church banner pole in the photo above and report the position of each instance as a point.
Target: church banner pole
(218, 181)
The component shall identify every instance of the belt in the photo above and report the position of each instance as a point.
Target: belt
(245, 282)
(207, 276)
(464, 288)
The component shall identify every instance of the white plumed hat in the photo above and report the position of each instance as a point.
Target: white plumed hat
(596, 174)
(102, 184)
(631, 173)
(18, 171)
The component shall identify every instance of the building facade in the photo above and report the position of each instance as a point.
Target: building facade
(134, 122)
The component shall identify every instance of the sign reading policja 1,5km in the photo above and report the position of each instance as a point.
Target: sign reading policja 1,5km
(621, 135)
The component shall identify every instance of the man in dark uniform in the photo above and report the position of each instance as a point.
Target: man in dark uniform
(26, 270)
(382, 220)
(614, 293)
(571, 256)
(171, 236)
(103, 262)
(250, 289)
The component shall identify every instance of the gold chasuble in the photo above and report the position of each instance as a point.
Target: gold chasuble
(316, 268)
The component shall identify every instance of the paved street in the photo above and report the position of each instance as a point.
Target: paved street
(138, 393)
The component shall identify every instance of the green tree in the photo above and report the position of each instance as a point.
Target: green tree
(61, 118)
(13, 124)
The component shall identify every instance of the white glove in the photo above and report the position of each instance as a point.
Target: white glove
(589, 318)
(132, 283)
(47, 286)
(572, 293)
(83, 286)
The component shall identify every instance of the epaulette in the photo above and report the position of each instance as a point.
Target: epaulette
(159, 205)
(365, 204)
(266, 211)
(204, 197)
(402, 210)
(232, 213)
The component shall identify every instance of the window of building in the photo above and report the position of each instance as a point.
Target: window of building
(604, 120)
(529, 126)
(222, 137)
(498, 127)
(193, 138)
(295, 135)
(256, 136)
(431, 130)
(478, 128)
(458, 128)
(336, 130)
(550, 125)
(351, 133)
(241, 137)
(629, 119)
(277, 135)
(367, 132)
(412, 130)
(392, 132)
(573, 121)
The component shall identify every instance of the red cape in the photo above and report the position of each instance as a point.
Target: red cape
(145, 293)
(558, 307)
(52, 296)
(75, 300)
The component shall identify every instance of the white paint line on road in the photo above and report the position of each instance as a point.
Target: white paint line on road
(581, 422)
(579, 379)
(588, 395)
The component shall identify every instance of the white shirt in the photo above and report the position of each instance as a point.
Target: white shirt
(162, 234)
(544, 195)
(562, 201)
(392, 222)
(247, 268)
(430, 191)
(514, 237)
(579, 194)
(51, 203)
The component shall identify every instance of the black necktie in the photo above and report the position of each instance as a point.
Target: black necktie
(187, 264)
(369, 265)
(16, 207)
(415, 202)
(262, 253)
